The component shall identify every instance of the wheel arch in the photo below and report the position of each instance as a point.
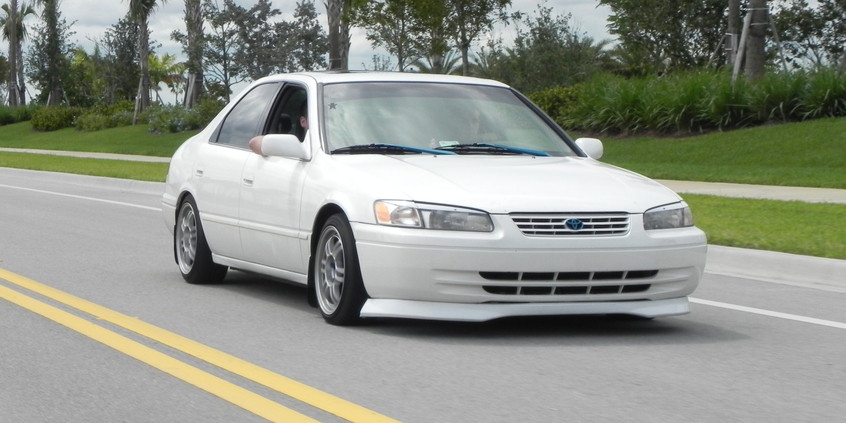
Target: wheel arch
(320, 219)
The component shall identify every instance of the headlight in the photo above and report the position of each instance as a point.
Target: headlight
(431, 216)
(671, 216)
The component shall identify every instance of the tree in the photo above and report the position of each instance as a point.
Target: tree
(220, 46)
(677, 34)
(393, 24)
(756, 52)
(50, 56)
(4, 70)
(258, 49)
(816, 35)
(547, 52)
(339, 33)
(140, 11)
(166, 70)
(15, 32)
(193, 48)
(118, 66)
(308, 43)
(469, 19)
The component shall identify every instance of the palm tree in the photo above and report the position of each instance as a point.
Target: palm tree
(50, 15)
(194, 27)
(165, 69)
(15, 32)
(450, 64)
(140, 11)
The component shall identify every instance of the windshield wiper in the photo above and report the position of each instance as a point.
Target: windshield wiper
(386, 149)
(485, 148)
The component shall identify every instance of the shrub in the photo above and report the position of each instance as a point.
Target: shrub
(7, 116)
(92, 122)
(556, 101)
(209, 108)
(10, 115)
(54, 118)
(778, 97)
(171, 119)
(825, 95)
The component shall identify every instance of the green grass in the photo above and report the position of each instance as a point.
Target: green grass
(788, 226)
(810, 154)
(155, 172)
(123, 140)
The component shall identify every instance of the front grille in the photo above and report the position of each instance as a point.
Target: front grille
(631, 282)
(572, 224)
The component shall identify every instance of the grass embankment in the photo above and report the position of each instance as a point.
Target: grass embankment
(135, 140)
(811, 229)
(809, 154)
(123, 140)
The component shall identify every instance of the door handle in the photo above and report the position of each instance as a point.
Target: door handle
(248, 180)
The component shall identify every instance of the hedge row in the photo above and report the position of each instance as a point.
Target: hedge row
(693, 102)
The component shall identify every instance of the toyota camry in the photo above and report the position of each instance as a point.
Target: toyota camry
(424, 196)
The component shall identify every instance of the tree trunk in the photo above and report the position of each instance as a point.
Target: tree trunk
(194, 26)
(13, 54)
(733, 32)
(144, 59)
(756, 54)
(339, 35)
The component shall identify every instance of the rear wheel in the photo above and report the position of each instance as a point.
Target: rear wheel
(337, 278)
(192, 251)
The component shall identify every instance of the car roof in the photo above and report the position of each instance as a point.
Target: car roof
(330, 77)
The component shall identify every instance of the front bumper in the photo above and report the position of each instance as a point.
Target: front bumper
(483, 312)
(446, 275)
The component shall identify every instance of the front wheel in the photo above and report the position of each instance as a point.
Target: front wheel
(337, 279)
(192, 251)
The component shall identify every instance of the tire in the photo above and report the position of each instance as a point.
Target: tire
(338, 286)
(191, 249)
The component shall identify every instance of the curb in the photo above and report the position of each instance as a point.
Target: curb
(770, 266)
(87, 155)
(759, 192)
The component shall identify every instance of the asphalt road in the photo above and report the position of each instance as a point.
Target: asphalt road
(73, 256)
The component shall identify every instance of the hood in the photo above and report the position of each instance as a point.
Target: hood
(506, 184)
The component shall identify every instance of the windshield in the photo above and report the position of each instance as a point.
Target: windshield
(462, 119)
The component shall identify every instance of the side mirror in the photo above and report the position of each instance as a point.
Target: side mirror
(591, 146)
(286, 145)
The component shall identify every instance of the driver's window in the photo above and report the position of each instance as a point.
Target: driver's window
(288, 113)
(244, 120)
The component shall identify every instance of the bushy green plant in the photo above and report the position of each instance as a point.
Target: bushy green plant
(92, 122)
(726, 104)
(777, 96)
(556, 101)
(696, 101)
(54, 118)
(10, 115)
(121, 118)
(825, 95)
(7, 116)
(107, 109)
(209, 108)
(171, 119)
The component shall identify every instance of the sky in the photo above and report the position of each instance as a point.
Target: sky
(91, 18)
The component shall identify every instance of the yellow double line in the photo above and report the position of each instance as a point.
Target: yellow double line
(228, 391)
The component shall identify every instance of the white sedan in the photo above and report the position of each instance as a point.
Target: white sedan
(424, 196)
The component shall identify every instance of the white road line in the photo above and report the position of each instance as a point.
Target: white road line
(763, 312)
(120, 203)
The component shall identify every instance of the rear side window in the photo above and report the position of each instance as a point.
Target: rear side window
(245, 120)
